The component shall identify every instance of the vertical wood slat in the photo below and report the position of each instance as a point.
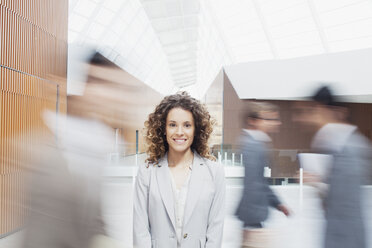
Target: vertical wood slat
(28, 61)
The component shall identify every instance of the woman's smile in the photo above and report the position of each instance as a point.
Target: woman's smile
(180, 141)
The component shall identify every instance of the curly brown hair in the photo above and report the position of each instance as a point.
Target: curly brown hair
(157, 144)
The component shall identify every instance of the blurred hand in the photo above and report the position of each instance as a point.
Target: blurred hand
(284, 210)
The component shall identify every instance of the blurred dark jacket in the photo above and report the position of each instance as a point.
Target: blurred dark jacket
(257, 195)
(343, 200)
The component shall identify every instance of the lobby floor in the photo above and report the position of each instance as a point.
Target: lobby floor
(304, 229)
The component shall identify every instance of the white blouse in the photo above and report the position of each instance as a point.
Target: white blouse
(180, 196)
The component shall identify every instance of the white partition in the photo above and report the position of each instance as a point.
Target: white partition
(349, 72)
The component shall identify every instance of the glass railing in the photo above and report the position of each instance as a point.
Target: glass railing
(283, 169)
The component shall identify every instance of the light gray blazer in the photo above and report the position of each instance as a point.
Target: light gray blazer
(154, 210)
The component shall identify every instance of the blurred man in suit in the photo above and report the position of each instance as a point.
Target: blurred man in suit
(259, 120)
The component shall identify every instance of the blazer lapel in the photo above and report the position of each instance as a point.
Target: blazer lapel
(195, 187)
(165, 188)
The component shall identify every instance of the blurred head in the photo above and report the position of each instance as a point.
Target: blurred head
(103, 95)
(178, 123)
(321, 110)
(262, 116)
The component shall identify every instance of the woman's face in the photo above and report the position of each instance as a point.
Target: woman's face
(180, 130)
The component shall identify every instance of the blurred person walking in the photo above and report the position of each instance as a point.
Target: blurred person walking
(180, 192)
(260, 119)
(65, 189)
(351, 161)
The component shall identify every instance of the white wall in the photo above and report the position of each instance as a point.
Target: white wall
(350, 74)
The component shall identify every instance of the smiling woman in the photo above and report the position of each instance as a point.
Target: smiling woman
(180, 191)
(156, 126)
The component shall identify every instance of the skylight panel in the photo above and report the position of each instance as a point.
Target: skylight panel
(252, 38)
(359, 11)
(244, 27)
(77, 22)
(254, 56)
(141, 49)
(118, 26)
(288, 15)
(300, 40)
(251, 48)
(104, 16)
(110, 39)
(191, 21)
(129, 12)
(354, 30)
(293, 28)
(301, 51)
(113, 5)
(123, 48)
(331, 5)
(171, 38)
(72, 36)
(85, 7)
(95, 31)
(155, 9)
(349, 44)
(190, 6)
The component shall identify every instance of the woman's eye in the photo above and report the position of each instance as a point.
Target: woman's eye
(172, 125)
(187, 125)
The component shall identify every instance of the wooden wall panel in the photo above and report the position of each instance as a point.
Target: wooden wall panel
(33, 68)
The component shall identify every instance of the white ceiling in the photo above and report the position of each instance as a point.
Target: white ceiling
(173, 44)
(176, 23)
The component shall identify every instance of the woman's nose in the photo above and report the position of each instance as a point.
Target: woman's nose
(179, 130)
